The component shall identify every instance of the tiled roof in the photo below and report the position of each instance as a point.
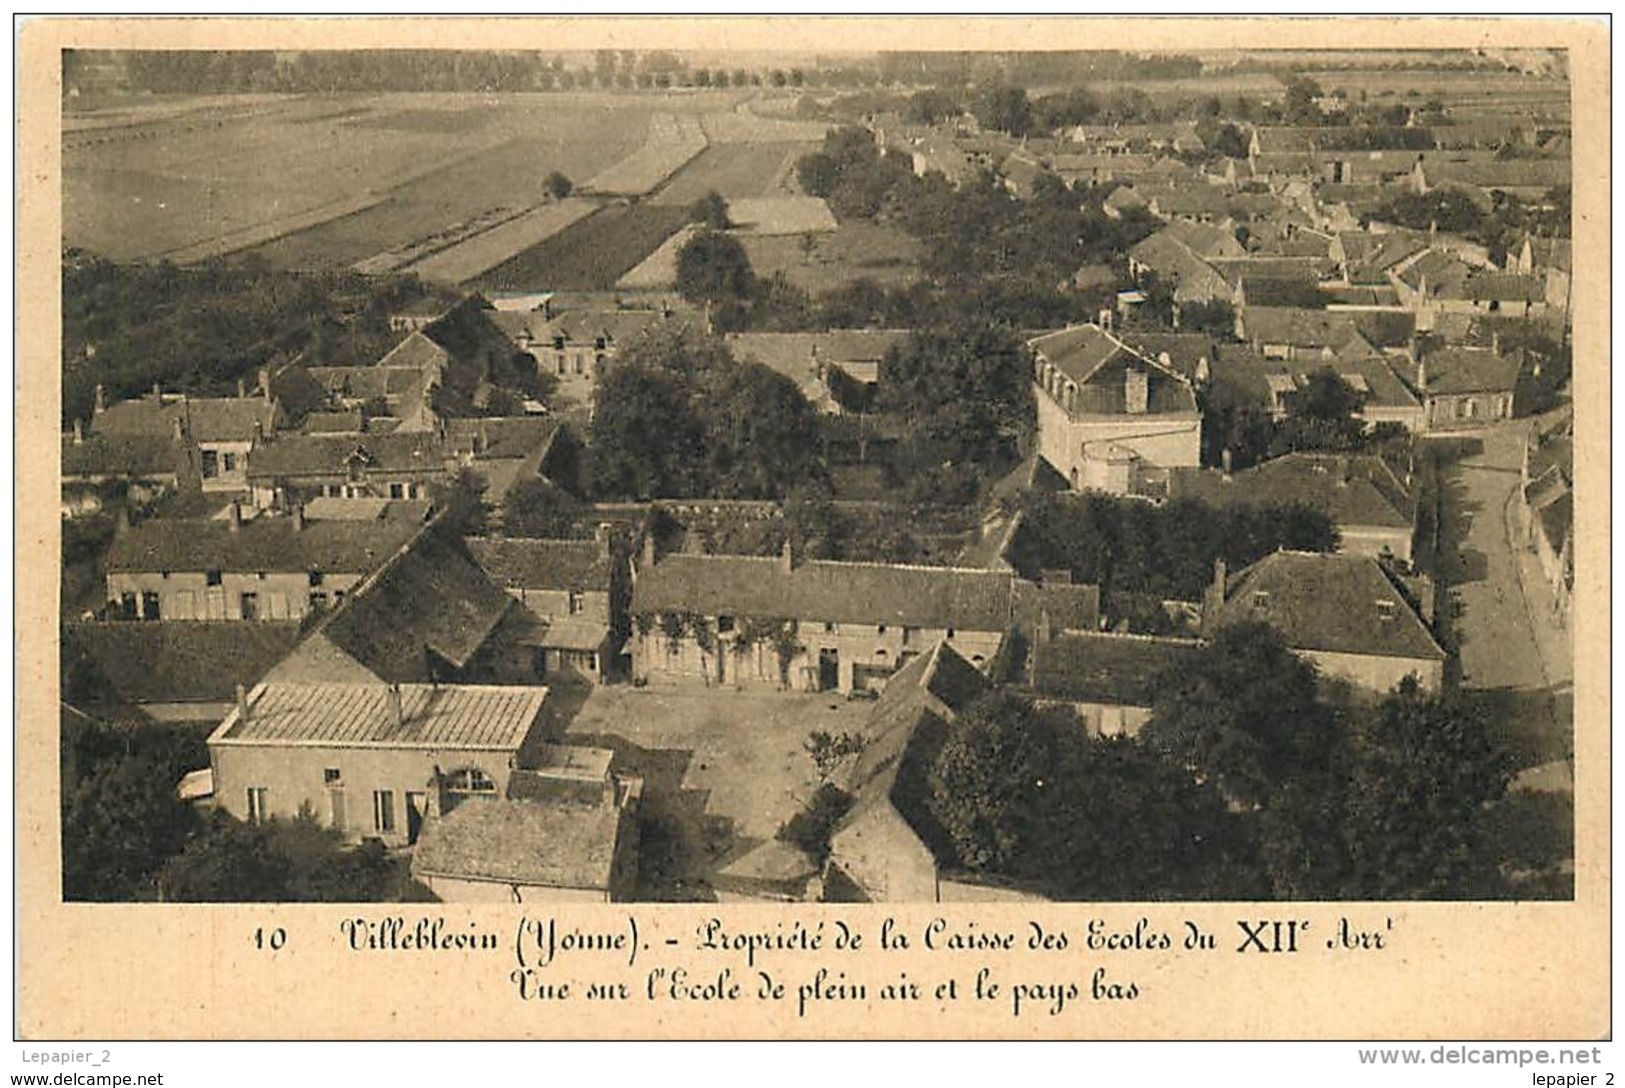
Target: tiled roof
(1505, 287)
(500, 437)
(1350, 489)
(829, 592)
(1336, 603)
(1185, 350)
(1117, 670)
(1205, 240)
(265, 544)
(1299, 327)
(530, 843)
(334, 422)
(432, 596)
(1470, 370)
(455, 716)
(204, 419)
(417, 352)
(529, 563)
(199, 661)
(123, 455)
(328, 454)
(1188, 274)
(1495, 173)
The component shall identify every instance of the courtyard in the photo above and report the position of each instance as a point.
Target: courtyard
(722, 769)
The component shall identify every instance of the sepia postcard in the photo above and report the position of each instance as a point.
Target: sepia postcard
(813, 527)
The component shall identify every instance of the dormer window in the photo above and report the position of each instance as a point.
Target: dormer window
(1261, 601)
(1387, 610)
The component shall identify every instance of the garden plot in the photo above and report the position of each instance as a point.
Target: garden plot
(589, 255)
(658, 272)
(736, 171)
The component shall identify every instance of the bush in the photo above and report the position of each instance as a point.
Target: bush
(811, 828)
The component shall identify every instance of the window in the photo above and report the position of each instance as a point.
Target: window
(128, 607)
(880, 628)
(316, 577)
(149, 605)
(211, 464)
(470, 780)
(251, 606)
(211, 577)
(258, 813)
(1261, 600)
(228, 462)
(909, 634)
(829, 629)
(725, 624)
(331, 776)
(397, 491)
(318, 601)
(383, 811)
(1387, 610)
(576, 603)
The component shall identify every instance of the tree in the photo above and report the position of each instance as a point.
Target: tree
(987, 782)
(119, 824)
(537, 508)
(710, 211)
(1006, 109)
(1423, 773)
(558, 186)
(712, 268)
(1244, 715)
(283, 860)
(647, 439)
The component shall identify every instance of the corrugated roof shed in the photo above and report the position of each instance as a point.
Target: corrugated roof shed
(453, 716)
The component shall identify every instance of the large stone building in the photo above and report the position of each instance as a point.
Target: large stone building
(1110, 418)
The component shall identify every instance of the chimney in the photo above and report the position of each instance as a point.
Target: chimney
(648, 555)
(265, 383)
(787, 557)
(242, 704)
(101, 399)
(1104, 319)
(392, 699)
(1495, 341)
(1044, 631)
(1422, 376)
(236, 516)
(78, 433)
(1225, 460)
(178, 428)
(158, 391)
(1220, 572)
(547, 308)
(242, 390)
(298, 517)
(603, 534)
(1343, 472)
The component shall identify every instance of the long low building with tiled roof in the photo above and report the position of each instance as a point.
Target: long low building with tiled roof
(809, 625)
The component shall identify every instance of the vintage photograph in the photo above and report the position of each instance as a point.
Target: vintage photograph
(539, 475)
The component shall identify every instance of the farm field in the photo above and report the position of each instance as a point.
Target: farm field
(485, 251)
(672, 141)
(854, 251)
(590, 255)
(781, 215)
(736, 170)
(207, 175)
(658, 271)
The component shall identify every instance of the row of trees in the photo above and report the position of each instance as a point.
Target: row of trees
(1131, 547)
(1244, 784)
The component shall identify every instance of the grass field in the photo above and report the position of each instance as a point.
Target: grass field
(735, 171)
(590, 255)
(854, 251)
(672, 140)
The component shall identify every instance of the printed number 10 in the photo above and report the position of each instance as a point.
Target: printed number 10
(272, 940)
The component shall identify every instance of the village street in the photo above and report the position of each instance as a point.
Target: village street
(1499, 601)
